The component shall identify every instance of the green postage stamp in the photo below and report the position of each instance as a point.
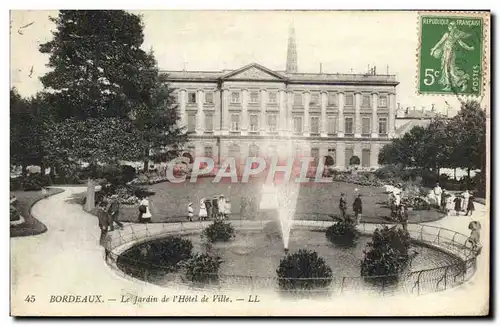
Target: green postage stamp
(451, 54)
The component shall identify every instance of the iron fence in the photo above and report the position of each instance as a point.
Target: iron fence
(414, 282)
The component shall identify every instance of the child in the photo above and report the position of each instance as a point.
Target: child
(203, 210)
(190, 212)
(227, 211)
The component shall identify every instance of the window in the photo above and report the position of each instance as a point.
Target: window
(348, 125)
(365, 100)
(235, 97)
(348, 154)
(331, 158)
(209, 97)
(254, 123)
(209, 123)
(235, 122)
(314, 99)
(332, 99)
(382, 126)
(208, 151)
(297, 125)
(272, 97)
(365, 126)
(349, 99)
(315, 154)
(314, 125)
(297, 99)
(365, 158)
(382, 101)
(192, 97)
(254, 97)
(191, 125)
(332, 125)
(272, 122)
(253, 151)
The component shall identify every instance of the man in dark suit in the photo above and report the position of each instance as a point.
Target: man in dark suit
(113, 211)
(357, 207)
(104, 222)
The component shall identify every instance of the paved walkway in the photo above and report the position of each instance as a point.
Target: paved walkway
(67, 260)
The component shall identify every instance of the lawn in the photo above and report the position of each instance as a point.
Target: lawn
(26, 200)
(315, 201)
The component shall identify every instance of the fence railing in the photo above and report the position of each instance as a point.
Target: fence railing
(414, 282)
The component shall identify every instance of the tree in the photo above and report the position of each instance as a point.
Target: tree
(468, 132)
(156, 118)
(96, 63)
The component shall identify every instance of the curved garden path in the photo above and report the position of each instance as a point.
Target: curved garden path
(68, 260)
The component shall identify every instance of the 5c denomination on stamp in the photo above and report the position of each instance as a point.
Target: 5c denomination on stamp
(451, 55)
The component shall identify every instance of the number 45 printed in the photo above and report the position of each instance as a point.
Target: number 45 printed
(450, 55)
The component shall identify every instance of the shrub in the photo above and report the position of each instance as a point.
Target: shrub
(390, 171)
(128, 173)
(218, 231)
(35, 181)
(272, 230)
(169, 251)
(14, 214)
(343, 233)
(303, 269)
(16, 184)
(387, 253)
(202, 268)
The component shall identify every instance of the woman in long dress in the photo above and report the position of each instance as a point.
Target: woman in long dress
(450, 204)
(452, 77)
(145, 216)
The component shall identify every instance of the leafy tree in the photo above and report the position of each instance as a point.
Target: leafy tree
(156, 118)
(468, 134)
(96, 63)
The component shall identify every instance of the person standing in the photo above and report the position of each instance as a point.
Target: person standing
(104, 222)
(190, 212)
(144, 211)
(438, 192)
(470, 205)
(404, 217)
(227, 210)
(113, 211)
(343, 205)
(222, 206)
(465, 202)
(215, 207)
(357, 207)
(458, 204)
(208, 207)
(203, 210)
(449, 203)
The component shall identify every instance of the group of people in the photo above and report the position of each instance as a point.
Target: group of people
(463, 202)
(399, 211)
(217, 207)
(357, 207)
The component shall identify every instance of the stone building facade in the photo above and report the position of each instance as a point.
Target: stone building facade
(255, 111)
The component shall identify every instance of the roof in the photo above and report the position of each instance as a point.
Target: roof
(257, 72)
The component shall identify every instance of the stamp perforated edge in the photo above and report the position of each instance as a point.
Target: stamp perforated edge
(485, 16)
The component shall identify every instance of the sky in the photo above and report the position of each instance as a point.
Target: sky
(342, 42)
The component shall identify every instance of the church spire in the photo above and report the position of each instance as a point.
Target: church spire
(291, 56)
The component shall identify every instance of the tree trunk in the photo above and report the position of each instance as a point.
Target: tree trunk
(468, 178)
(24, 170)
(146, 160)
(42, 169)
(455, 173)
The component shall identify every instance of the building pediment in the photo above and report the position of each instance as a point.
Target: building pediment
(253, 71)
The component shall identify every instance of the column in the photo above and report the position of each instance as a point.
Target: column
(340, 153)
(217, 112)
(244, 112)
(307, 99)
(283, 112)
(200, 117)
(323, 126)
(182, 105)
(340, 128)
(374, 115)
(357, 115)
(225, 111)
(263, 115)
(375, 147)
(392, 110)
